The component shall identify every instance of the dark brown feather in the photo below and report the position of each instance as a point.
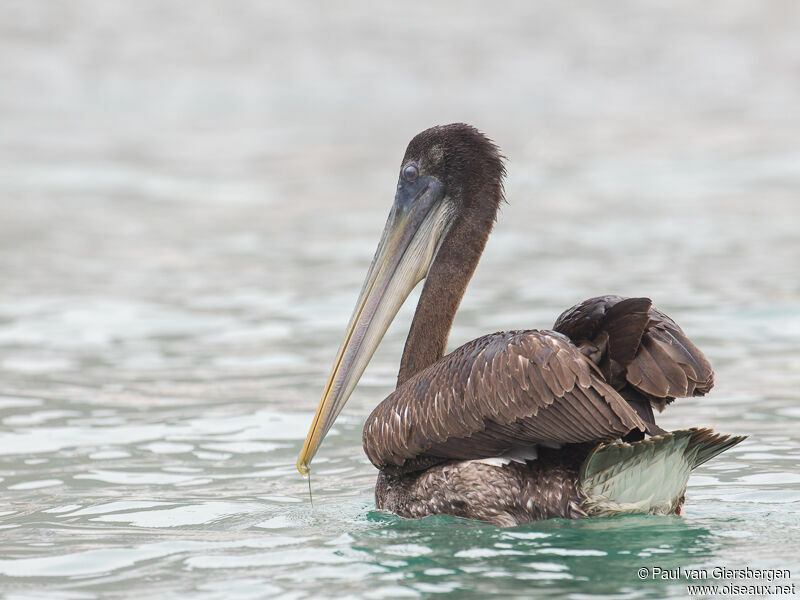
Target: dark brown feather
(515, 494)
(497, 393)
(642, 352)
(471, 168)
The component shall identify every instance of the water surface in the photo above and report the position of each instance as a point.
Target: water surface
(190, 195)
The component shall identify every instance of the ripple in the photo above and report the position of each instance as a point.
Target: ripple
(484, 553)
(195, 514)
(35, 485)
(571, 552)
(13, 402)
(136, 477)
(111, 507)
(299, 557)
(407, 550)
(168, 448)
(90, 562)
(771, 478)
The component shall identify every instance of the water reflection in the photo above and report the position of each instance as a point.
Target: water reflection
(595, 556)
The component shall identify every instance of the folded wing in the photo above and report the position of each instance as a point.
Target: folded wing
(642, 352)
(495, 395)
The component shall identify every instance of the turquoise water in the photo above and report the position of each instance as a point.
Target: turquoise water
(189, 199)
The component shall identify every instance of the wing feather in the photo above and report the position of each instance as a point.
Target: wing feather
(641, 351)
(497, 393)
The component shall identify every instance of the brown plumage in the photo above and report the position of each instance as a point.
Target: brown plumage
(642, 347)
(471, 167)
(498, 393)
(518, 425)
(560, 484)
(516, 493)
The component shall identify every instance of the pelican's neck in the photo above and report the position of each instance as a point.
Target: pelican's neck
(444, 287)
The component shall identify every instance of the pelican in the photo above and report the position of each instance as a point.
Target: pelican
(514, 426)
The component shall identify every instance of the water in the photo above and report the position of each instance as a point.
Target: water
(190, 194)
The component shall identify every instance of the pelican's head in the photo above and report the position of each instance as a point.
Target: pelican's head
(449, 173)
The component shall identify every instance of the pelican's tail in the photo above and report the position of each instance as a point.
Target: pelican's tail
(648, 476)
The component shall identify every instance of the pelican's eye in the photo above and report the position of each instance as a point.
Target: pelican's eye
(410, 172)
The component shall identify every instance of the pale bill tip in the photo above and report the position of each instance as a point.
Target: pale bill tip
(303, 467)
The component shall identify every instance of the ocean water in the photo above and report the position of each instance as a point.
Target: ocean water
(190, 195)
